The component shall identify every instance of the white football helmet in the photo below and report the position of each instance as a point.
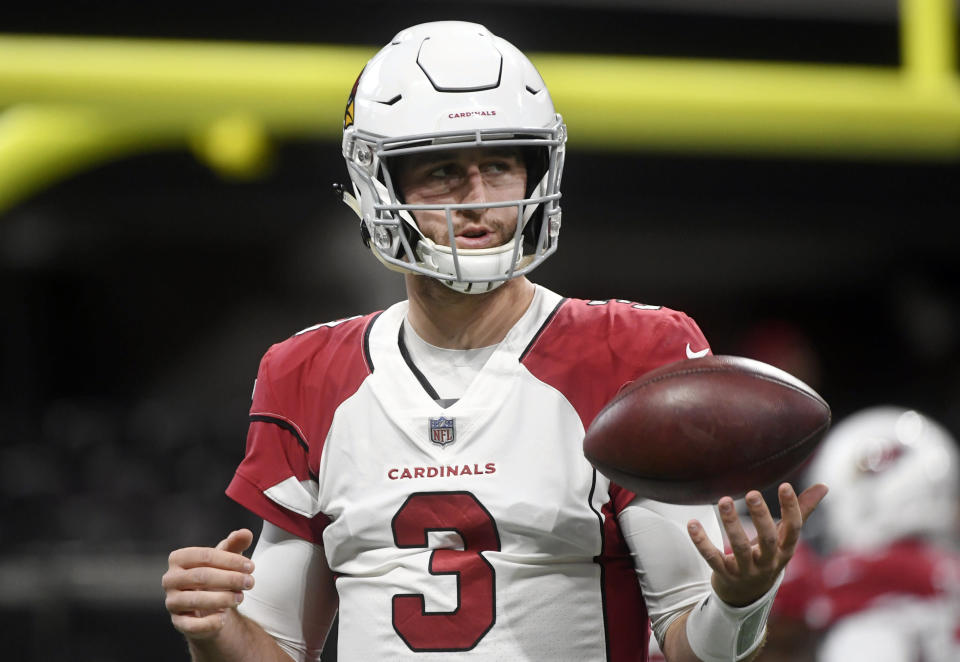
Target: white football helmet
(893, 473)
(449, 85)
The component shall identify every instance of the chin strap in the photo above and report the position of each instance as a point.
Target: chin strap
(340, 192)
(477, 262)
(718, 632)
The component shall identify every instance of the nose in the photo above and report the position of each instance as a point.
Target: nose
(475, 191)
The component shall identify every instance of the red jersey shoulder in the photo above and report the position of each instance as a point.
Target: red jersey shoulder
(624, 330)
(328, 359)
(590, 349)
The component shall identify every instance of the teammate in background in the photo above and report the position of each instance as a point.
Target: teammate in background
(421, 469)
(886, 587)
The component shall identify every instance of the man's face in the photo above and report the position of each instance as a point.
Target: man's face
(469, 175)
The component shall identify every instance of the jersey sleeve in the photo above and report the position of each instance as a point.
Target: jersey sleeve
(677, 337)
(301, 383)
(275, 480)
(642, 345)
(642, 340)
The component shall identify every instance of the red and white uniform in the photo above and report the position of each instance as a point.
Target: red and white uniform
(900, 603)
(489, 537)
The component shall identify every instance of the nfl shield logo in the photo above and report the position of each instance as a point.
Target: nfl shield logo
(442, 431)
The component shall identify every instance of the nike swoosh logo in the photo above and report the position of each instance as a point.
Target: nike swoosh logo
(696, 355)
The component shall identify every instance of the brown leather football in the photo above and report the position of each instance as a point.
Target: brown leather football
(693, 431)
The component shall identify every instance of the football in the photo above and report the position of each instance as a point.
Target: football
(693, 431)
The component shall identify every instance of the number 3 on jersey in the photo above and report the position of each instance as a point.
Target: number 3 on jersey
(465, 626)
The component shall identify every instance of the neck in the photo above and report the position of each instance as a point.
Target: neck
(449, 319)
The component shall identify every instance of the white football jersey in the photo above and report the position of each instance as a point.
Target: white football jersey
(476, 530)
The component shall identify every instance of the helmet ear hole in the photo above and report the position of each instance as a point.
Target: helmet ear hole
(395, 165)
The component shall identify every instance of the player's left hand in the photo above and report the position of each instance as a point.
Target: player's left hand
(743, 576)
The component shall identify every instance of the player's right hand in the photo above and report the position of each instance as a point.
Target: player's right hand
(203, 583)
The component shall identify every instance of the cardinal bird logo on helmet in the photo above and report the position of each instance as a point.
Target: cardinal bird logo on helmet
(348, 111)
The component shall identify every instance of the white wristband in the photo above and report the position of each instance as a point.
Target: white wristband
(718, 632)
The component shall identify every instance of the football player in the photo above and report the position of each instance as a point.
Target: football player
(421, 469)
(886, 586)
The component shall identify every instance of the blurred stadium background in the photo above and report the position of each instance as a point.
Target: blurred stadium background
(786, 171)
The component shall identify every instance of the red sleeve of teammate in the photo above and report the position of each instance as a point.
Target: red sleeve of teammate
(300, 384)
(820, 592)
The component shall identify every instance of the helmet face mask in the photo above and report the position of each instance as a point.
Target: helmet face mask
(471, 91)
